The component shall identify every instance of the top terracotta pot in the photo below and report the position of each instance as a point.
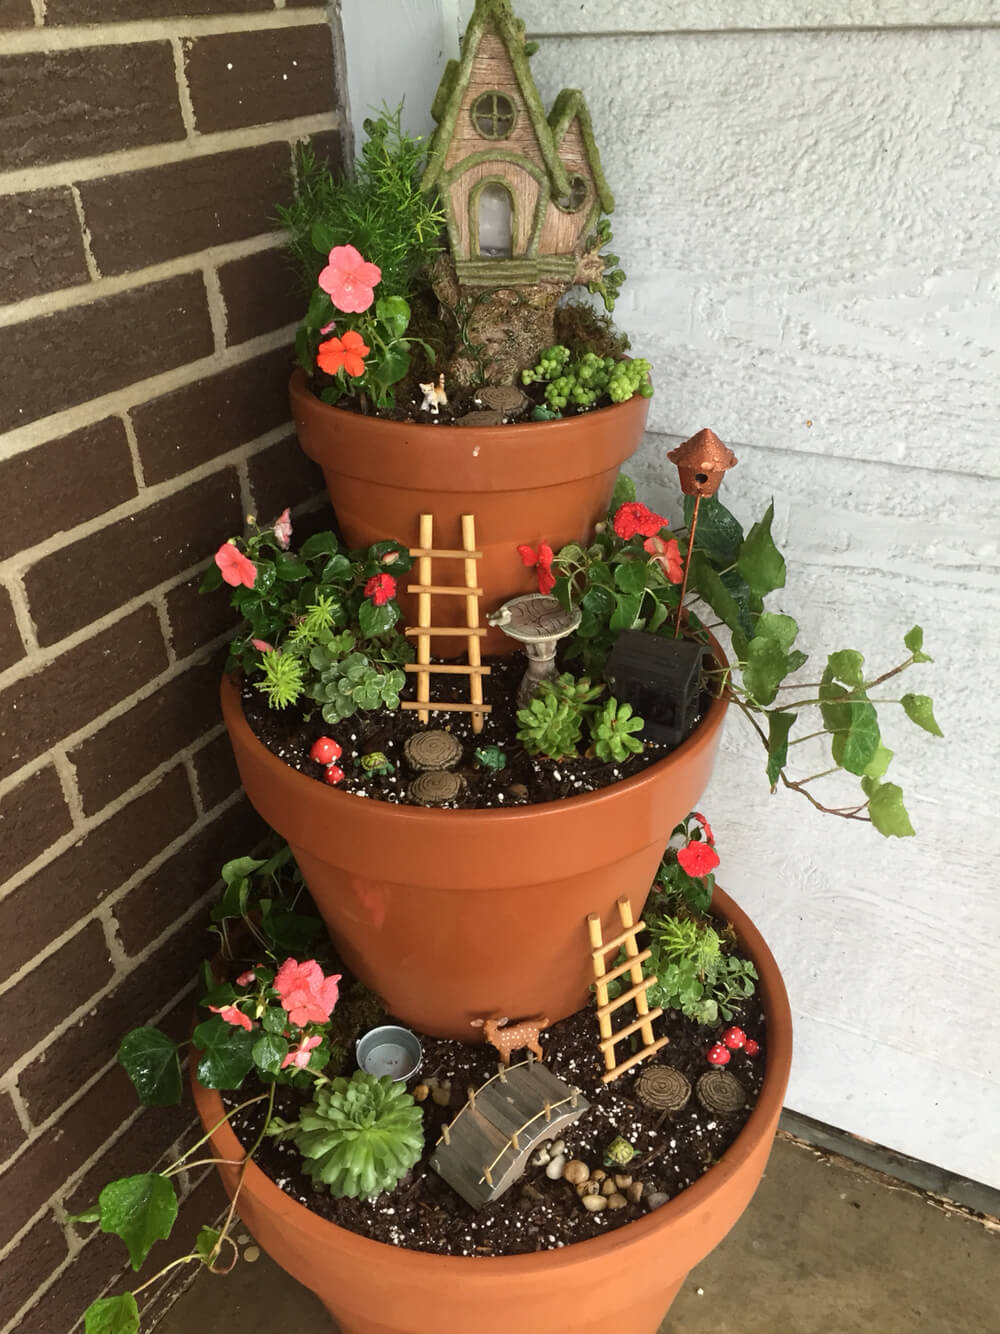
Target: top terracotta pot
(540, 482)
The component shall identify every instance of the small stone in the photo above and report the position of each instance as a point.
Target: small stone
(432, 751)
(598, 1174)
(421, 1093)
(441, 1093)
(541, 1157)
(555, 1168)
(556, 1146)
(634, 1192)
(656, 1199)
(616, 1201)
(518, 791)
(622, 1182)
(435, 788)
(251, 1254)
(576, 1172)
(608, 1187)
(595, 1203)
(588, 1188)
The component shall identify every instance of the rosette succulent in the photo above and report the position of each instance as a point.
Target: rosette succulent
(360, 1135)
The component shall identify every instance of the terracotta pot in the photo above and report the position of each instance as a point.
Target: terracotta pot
(625, 1280)
(544, 481)
(452, 915)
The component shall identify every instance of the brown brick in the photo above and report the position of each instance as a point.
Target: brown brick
(83, 581)
(11, 643)
(65, 482)
(139, 1150)
(49, 992)
(16, 14)
(262, 292)
(328, 145)
(250, 78)
(283, 475)
(75, 883)
(11, 1134)
(43, 246)
(216, 771)
(45, 1166)
(190, 426)
(58, 361)
(180, 882)
(78, 687)
(110, 97)
(32, 818)
(198, 618)
(122, 753)
(70, 1060)
(145, 217)
(111, 11)
(59, 1310)
(35, 1259)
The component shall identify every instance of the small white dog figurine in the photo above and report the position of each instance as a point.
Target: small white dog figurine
(434, 396)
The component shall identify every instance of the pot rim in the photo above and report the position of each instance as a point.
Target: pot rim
(236, 721)
(674, 1213)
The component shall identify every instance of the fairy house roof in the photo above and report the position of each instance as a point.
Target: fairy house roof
(704, 452)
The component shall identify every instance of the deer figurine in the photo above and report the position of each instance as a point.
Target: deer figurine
(507, 1040)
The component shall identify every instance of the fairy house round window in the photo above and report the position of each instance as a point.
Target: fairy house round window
(494, 115)
(576, 197)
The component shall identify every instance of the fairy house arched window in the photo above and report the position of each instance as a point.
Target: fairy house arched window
(522, 191)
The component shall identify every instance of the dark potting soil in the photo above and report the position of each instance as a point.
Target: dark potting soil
(423, 1213)
(527, 779)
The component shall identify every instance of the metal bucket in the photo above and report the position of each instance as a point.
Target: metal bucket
(391, 1051)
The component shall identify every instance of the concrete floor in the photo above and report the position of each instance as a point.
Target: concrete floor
(826, 1247)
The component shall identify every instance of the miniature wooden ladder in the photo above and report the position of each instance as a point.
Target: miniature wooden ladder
(425, 588)
(637, 993)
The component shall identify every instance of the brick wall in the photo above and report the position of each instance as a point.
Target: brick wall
(145, 324)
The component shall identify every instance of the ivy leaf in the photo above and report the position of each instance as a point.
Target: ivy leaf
(855, 749)
(624, 493)
(320, 544)
(151, 1062)
(796, 659)
(113, 1315)
(914, 641)
(394, 313)
(226, 1053)
(211, 580)
(888, 812)
(141, 1210)
(738, 588)
(847, 666)
(782, 629)
(765, 668)
(706, 582)
(290, 571)
(626, 611)
(337, 568)
(268, 1053)
(779, 726)
(239, 868)
(719, 534)
(393, 365)
(878, 764)
(206, 1242)
(760, 562)
(375, 621)
(630, 576)
(920, 709)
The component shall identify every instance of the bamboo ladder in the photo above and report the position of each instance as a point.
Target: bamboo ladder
(637, 993)
(424, 630)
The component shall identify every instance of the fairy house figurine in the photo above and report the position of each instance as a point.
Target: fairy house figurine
(522, 191)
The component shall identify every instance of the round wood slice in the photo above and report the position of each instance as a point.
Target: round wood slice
(663, 1087)
(719, 1091)
(432, 751)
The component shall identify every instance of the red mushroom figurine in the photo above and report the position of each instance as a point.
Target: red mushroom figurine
(325, 750)
(750, 1047)
(717, 1055)
(333, 775)
(734, 1038)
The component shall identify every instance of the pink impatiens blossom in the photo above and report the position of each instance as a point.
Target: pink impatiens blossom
(305, 993)
(262, 646)
(635, 519)
(381, 588)
(667, 555)
(300, 1056)
(232, 1015)
(246, 978)
(283, 529)
(542, 558)
(698, 859)
(349, 280)
(236, 568)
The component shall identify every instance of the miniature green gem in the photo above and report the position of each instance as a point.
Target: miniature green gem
(377, 763)
(490, 757)
(619, 1153)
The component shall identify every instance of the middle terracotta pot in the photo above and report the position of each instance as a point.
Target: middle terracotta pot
(452, 915)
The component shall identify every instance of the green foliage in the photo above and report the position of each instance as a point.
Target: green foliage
(694, 972)
(347, 684)
(582, 379)
(609, 285)
(552, 724)
(141, 1210)
(151, 1061)
(284, 678)
(113, 1315)
(612, 731)
(359, 1136)
(226, 1053)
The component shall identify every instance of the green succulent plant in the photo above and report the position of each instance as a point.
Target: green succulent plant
(552, 724)
(351, 683)
(611, 731)
(583, 379)
(360, 1135)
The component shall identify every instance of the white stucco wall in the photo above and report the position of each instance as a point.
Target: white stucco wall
(808, 215)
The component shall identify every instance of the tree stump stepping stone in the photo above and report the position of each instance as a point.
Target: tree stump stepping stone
(720, 1092)
(663, 1087)
(432, 751)
(435, 788)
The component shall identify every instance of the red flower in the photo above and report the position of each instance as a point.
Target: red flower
(349, 280)
(667, 555)
(347, 353)
(232, 1015)
(381, 588)
(634, 519)
(543, 558)
(299, 1058)
(236, 568)
(262, 646)
(305, 993)
(698, 859)
(705, 825)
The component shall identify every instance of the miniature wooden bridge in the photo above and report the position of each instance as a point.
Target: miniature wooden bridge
(486, 1147)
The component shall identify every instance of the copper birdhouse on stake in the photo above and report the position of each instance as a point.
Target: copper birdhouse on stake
(701, 462)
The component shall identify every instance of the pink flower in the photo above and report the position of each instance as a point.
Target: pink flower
(233, 1016)
(698, 859)
(381, 588)
(236, 568)
(262, 646)
(667, 555)
(246, 978)
(347, 353)
(705, 825)
(300, 1056)
(305, 993)
(349, 279)
(283, 529)
(634, 519)
(542, 558)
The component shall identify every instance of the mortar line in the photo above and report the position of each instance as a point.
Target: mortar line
(166, 630)
(133, 449)
(216, 307)
(66, 772)
(88, 250)
(22, 619)
(126, 32)
(183, 88)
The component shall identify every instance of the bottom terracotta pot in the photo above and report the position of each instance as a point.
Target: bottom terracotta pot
(625, 1280)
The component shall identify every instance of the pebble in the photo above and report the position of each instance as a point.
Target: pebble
(622, 1182)
(555, 1168)
(588, 1188)
(595, 1203)
(576, 1172)
(616, 1201)
(441, 1093)
(555, 1146)
(634, 1192)
(598, 1174)
(540, 1157)
(656, 1199)
(421, 1093)
(608, 1187)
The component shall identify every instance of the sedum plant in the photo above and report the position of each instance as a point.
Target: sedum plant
(349, 683)
(580, 380)
(613, 731)
(552, 724)
(359, 1136)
